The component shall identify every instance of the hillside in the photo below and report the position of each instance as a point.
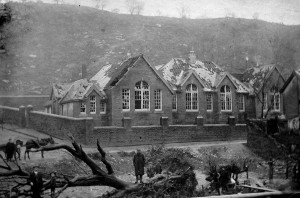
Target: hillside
(46, 43)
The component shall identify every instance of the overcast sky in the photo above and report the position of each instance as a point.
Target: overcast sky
(279, 11)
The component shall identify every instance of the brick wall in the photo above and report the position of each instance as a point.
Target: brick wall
(143, 135)
(84, 131)
(10, 115)
(57, 125)
(37, 101)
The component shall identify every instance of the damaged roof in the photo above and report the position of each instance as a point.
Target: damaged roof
(67, 92)
(208, 73)
(109, 75)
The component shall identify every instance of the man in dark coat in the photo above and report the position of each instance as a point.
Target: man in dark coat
(36, 182)
(139, 164)
(10, 149)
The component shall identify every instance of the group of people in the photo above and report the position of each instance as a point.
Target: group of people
(12, 149)
(139, 162)
(36, 182)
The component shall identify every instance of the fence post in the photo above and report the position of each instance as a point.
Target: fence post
(29, 108)
(199, 121)
(231, 121)
(89, 127)
(22, 118)
(126, 123)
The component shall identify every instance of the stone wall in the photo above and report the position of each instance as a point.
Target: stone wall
(37, 101)
(85, 131)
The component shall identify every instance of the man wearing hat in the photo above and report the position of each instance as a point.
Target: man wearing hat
(139, 164)
(10, 149)
(36, 182)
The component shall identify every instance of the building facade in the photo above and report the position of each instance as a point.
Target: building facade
(182, 90)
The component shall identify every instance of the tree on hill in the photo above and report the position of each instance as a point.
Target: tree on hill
(58, 1)
(101, 4)
(183, 11)
(135, 6)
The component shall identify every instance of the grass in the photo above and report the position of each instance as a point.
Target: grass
(48, 43)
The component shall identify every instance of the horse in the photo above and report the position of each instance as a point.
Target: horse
(37, 144)
(225, 176)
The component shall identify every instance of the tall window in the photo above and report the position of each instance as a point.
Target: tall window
(126, 99)
(241, 102)
(276, 101)
(102, 107)
(92, 104)
(174, 102)
(209, 102)
(157, 99)
(191, 97)
(83, 108)
(142, 93)
(265, 101)
(226, 98)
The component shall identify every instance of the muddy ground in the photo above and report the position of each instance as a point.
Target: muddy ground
(62, 162)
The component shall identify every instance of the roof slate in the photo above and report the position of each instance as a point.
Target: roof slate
(210, 74)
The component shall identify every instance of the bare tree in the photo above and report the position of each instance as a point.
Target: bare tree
(139, 6)
(101, 4)
(59, 1)
(131, 6)
(98, 176)
(135, 6)
(183, 11)
(256, 15)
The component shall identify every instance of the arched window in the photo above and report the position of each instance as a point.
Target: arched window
(226, 98)
(191, 97)
(142, 93)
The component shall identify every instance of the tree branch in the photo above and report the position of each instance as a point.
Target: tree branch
(103, 159)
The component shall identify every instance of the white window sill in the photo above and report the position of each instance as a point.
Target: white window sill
(226, 111)
(92, 112)
(192, 110)
(174, 110)
(209, 111)
(142, 110)
(102, 112)
(82, 113)
(125, 110)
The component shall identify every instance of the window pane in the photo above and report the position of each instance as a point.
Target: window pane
(174, 102)
(125, 99)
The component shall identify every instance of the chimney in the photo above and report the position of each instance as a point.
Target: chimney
(83, 71)
(192, 57)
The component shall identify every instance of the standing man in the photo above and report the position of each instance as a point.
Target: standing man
(10, 149)
(36, 182)
(139, 164)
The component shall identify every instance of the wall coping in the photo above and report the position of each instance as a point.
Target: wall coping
(108, 127)
(60, 116)
(10, 108)
(149, 126)
(25, 96)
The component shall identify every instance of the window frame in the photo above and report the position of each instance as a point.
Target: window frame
(265, 102)
(158, 100)
(241, 96)
(95, 104)
(142, 92)
(226, 95)
(101, 103)
(174, 102)
(124, 100)
(211, 102)
(190, 93)
(83, 103)
(274, 96)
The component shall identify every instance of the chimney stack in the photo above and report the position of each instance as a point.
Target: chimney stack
(192, 57)
(83, 71)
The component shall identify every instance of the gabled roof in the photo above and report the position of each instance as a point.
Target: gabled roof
(256, 76)
(110, 75)
(210, 75)
(75, 91)
(295, 73)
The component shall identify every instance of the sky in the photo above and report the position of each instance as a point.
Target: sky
(278, 11)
